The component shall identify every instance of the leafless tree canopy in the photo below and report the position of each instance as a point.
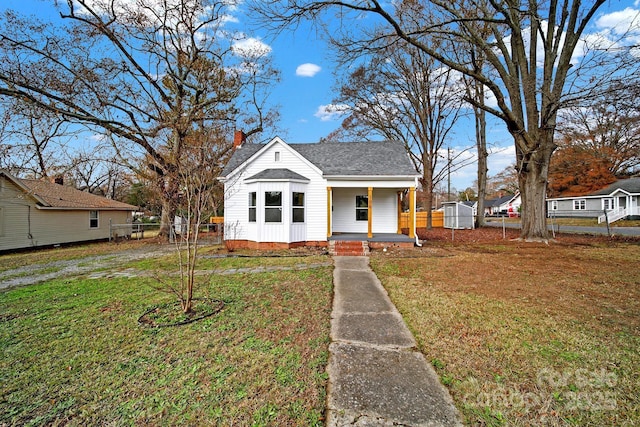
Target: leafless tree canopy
(536, 56)
(147, 75)
(404, 95)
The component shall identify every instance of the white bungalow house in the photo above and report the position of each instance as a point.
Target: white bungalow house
(280, 195)
(36, 213)
(620, 200)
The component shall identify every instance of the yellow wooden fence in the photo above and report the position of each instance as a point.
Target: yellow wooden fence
(437, 219)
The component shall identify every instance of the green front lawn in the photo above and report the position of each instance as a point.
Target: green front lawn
(72, 352)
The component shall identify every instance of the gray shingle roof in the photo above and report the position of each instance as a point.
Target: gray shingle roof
(343, 158)
(240, 155)
(489, 203)
(278, 174)
(631, 185)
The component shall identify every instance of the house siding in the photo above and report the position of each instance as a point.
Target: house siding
(384, 212)
(23, 225)
(593, 208)
(236, 200)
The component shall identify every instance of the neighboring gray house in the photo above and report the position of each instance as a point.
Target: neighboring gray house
(619, 200)
(458, 215)
(280, 195)
(37, 213)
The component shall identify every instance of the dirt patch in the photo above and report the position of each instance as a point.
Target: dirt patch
(495, 235)
(574, 276)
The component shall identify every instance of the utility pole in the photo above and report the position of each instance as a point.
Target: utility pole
(448, 174)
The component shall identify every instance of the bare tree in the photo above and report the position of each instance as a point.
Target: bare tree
(35, 140)
(607, 128)
(536, 60)
(146, 74)
(505, 181)
(402, 94)
(198, 169)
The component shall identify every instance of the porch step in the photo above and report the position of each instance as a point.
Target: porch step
(348, 248)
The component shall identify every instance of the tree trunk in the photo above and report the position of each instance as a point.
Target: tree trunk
(427, 192)
(166, 218)
(481, 145)
(533, 168)
(169, 193)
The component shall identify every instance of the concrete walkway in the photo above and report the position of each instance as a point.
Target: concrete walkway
(376, 375)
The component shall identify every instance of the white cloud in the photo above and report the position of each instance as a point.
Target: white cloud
(620, 22)
(331, 112)
(307, 70)
(251, 47)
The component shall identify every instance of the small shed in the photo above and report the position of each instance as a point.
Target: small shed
(458, 215)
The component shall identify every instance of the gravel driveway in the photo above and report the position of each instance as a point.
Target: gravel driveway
(40, 272)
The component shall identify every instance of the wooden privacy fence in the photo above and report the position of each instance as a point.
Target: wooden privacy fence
(437, 219)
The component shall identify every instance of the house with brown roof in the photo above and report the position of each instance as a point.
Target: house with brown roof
(36, 213)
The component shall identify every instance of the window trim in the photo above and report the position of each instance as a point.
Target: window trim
(298, 208)
(580, 204)
(92, 219)
(360, 209)
(612, 203)
(253, 208)
(271, 207)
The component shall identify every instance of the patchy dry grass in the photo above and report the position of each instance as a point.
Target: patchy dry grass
(24, 258)
(526, 334)
(72, 353)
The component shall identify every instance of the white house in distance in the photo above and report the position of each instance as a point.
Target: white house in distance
(503, 206)
(280, 195)
(620, 200)
(36, 213)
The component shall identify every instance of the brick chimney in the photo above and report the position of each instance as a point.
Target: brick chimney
(238, 139)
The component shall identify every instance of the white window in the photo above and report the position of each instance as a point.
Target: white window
(608, 204)
(273, 206)
(362, 208)
(579, 205)
(297, 204)
(554, 205)
(277, 156)
(252, 206)
(93, 219)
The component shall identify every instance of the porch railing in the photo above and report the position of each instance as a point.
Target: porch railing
(613, 215)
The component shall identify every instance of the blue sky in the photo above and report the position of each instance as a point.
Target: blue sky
(307, 83)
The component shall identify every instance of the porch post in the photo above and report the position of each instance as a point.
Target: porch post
(370, 213)
(399, 202)
(412, 212)
(329, 202)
